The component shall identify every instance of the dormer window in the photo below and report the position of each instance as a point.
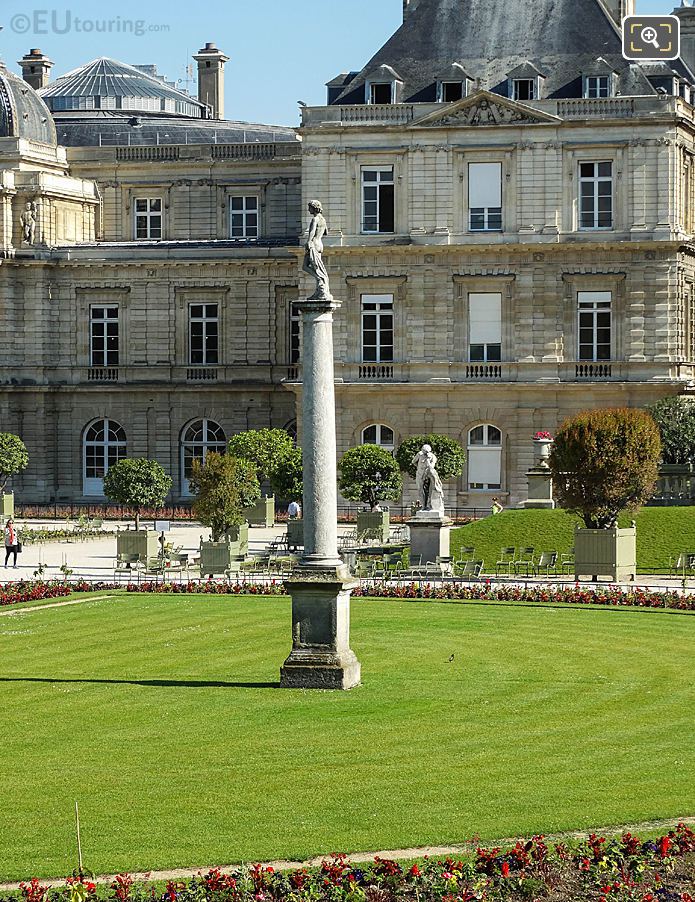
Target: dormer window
(450, 91)
(380, 92)
(597, 86)
(453, 84)
(524, 89)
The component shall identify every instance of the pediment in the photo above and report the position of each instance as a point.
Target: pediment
(485, 109)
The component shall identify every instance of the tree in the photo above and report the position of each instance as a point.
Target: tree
(223, 487)
(137, 483)
(604, 462)
(369, 474)
(275, 457)
(13, 457)
(675, 418)
(450, 455)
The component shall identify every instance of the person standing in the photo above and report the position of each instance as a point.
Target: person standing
(294, 510)
(496, 506)
(11, 542)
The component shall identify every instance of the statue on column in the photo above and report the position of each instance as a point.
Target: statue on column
(313, 253)
(27, 221)
(427, 480)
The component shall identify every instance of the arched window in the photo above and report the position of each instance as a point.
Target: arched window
(484, 458)
(377, 434)
(104, 444)
(291, 430)
(197, 440)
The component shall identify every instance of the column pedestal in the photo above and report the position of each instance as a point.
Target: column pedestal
(540, 489)
(429, 535)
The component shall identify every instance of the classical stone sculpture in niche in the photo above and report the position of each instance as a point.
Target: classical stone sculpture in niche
(313, 253)
(27, 221)
(427, 480)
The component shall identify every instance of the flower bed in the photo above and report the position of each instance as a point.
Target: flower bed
(596, 870)
(610, 596)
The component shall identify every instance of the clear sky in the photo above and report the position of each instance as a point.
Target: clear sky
(280, 51)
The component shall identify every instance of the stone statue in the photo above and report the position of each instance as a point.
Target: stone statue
(427, 480)
(27, 221)
(313, 250)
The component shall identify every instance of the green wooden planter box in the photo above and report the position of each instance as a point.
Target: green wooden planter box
(295, 533)
(239, 536)
(262, 513)
(216, 557)
(606, 552)
(8, 504)
(144, 542)
(374, 525)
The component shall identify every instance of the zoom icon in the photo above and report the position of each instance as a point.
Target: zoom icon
(651, 37)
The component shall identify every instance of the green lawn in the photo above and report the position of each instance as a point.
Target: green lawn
(661, 531)
(163, 717)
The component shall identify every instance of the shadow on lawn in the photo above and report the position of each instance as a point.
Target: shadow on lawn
(183, 684)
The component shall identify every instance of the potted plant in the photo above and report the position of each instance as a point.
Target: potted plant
(543, 442)
(276, 460)
(136, 484)
(605, 462)
(13, 459)
(368, 474)
(675, 418)
(224, 486)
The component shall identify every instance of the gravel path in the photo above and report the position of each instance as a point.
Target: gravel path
(362, 857)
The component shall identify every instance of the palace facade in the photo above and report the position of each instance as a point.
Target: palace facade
(510, 210)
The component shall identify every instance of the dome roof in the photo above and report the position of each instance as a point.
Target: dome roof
(22, 112)
(107, 84)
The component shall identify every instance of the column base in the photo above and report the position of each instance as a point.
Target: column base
(321, 657)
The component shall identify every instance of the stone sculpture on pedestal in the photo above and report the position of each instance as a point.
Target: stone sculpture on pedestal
(427, 480)
(430, 527)
(313, 252)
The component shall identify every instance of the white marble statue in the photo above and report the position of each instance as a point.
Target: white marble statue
(27, 221)
(427, 480)
(313, 251)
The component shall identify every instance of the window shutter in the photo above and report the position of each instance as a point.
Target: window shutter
(484, 185)
(485, 318)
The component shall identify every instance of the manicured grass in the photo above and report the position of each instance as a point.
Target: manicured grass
(661, 531)
(163, 717)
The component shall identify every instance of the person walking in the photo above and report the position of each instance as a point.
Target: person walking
(496, 506)
(11, 542)
(294, 510)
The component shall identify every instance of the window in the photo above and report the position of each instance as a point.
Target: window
(243, 217)
(295, 333)
(104, 445)
(377, 328)
(594, 311)
(485, 327)
(597, 86)
(203, 334)
(378, 434)
(148, 217)
(596, 195)
(484, 458)
(485, 197)
(377, 199)
(380, 92)
(450, 91)
(103, 335)
(524, 88)
(197, 440)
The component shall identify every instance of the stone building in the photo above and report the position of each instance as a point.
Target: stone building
(510, 206)
(511, 214)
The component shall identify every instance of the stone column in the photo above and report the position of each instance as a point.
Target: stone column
(321, 657)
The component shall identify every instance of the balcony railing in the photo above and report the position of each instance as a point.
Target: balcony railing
(102, 374)
(591, 108)
(375, 372)
(486, 372)
(593, 371)
(201, 374)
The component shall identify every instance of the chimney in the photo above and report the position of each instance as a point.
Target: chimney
(36, 68)
(211, 78)
(686, 14)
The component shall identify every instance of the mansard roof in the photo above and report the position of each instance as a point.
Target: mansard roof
(491, 38)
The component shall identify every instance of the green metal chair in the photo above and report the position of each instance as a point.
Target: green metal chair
(525, 563)
(506, 561)
(547, 563)
(471, 570)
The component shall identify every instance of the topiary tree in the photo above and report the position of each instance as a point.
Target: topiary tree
(223, 486)
(275, 457)
(675, 418)
(137, 483)
(451, 457)
(369, 474)
(604, 462)
(13, 457)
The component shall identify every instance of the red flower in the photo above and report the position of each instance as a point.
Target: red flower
(505, 869)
